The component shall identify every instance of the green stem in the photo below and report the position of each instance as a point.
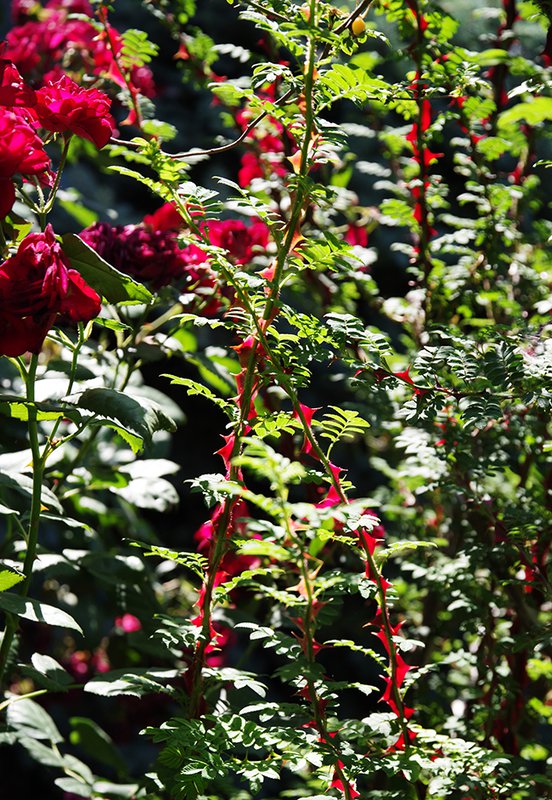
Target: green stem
(50, 444)
(54, 190)
(34, 521)
(38, 471)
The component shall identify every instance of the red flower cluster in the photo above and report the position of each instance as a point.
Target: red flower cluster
(239, 240)
(38, 289)
(150, 256)
(150, 252)
(60, 106)
(21, 153)
(46, 42)
(64, 107)
(13, 91)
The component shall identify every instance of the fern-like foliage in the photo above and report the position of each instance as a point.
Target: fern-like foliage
(136, 49)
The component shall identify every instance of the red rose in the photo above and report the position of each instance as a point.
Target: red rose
(21, 152)
(166, 218)
(38, 45)
(151, 256)
(65, 107)
(36, 286)
(28, 45)
(13, 91)
(237, 238)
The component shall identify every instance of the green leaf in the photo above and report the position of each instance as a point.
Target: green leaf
(48, 673)
(74, 786)
(42, 753)
(115, 286)
(23, 484)
(532, 112)
(195, 388)
(133, 682)
(136, 420)
(342, 424)
(152, 492)
(125, 790)
(9, 576)
(8, 511)
(342, 82)
(30, 719)
(136, 49)
(18, 408)
(37, 612)
(264, 548)
(95, 742)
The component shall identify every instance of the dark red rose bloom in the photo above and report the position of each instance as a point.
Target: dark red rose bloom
(149, 256)
(241, 241)
(38, 46)
(65, 107)
(21, 152)
(13, 91)
(154, 257)
(37, 286)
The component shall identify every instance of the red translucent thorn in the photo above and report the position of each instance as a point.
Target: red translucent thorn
(225, 452)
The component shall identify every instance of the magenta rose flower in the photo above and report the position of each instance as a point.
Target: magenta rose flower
(21, 153)
(13, 91)
(65, 107)
(127, 623)
(37, 286)
(240, 240)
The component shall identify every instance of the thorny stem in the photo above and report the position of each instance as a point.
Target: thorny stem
(309, 626)
(220, 542)
(295, 216)
(382, 600)
(287, 386)
(220, 538)
(261, 341)
(130, 87)
(423, 242)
